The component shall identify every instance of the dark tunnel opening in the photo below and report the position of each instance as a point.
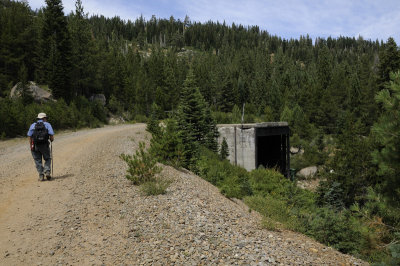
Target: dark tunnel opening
(271, 152)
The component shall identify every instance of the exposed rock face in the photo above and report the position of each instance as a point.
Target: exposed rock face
(308, 171)
(98, 97)
(39, 94)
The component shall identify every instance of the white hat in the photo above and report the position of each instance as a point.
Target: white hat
(41, 115)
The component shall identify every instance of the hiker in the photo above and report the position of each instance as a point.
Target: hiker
(39, 134)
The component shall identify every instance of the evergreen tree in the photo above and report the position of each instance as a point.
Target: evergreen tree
(167, 145)
(224, 151)
(190, 119)
(195, 122)
(26, 95)
(352, 172)
(211, 133)
(170, 93)
(153, 124)
(389, 61)
(56, 50)
(84, 78)
(386, 132)
(17, 43)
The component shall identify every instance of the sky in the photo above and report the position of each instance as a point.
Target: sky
(371, 19)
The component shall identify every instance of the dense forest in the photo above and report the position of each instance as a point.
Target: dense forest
(340, 96)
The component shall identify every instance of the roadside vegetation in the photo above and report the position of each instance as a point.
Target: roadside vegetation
(16, 116)
(144, 172)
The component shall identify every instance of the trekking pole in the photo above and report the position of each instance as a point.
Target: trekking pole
(52, 159)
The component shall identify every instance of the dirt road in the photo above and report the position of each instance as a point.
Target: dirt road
(89, 214)
(34, 215)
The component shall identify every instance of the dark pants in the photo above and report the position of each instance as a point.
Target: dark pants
(42, 150)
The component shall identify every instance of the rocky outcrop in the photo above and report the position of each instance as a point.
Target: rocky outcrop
(39, 94)
(98, 97)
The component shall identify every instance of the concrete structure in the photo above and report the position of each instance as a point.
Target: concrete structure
(253, 145)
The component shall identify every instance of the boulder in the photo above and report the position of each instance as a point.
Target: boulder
(116, 120)
(296, 150)
(39, 94)
(308, 171)
(98, 97)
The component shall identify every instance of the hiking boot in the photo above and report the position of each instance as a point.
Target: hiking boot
(41, 177)
(48, 176)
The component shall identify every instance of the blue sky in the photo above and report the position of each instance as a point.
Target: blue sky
(372, 19)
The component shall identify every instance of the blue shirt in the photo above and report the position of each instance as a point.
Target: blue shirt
(46, 124)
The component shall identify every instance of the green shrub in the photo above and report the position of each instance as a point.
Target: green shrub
(236, 115)
(166, 145)
(394, 254)
(221, 117)
(276, 211)
(17, 117)
(331, 194)
(142, 166)
(155, 187)
(115, 106)
(233, 181)
(139, 118)
(269, 182)
(340, 230)
(236, 185)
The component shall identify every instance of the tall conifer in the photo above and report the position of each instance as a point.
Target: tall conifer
(84, 65)
(389, 61)
(56, 49)
(386, 132)
(195, 122)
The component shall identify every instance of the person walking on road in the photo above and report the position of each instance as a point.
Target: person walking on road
(39, 134)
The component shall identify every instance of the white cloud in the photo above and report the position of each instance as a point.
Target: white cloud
(292, 18)
(287, 18)
(383, 27)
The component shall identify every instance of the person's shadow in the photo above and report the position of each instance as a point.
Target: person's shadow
(61, 176)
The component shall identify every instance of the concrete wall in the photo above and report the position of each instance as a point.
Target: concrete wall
(244, 152)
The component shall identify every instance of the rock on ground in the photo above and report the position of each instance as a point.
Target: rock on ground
(308, 172)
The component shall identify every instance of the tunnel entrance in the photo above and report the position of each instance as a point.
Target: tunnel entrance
(272, 148)
(253, 145)
(271, 151)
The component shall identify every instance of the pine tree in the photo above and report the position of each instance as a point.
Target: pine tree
(170, 91)
(167, 145)
(26, 96)
(17, 42)
(386, 132)
(84, 66)
(352, 166)
(195, 122)
(211, 133)
(190, 119)
(56, 50)
(153, 124)
(224, 151)
(389, 61)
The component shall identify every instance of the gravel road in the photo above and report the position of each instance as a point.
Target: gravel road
(89, 214)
